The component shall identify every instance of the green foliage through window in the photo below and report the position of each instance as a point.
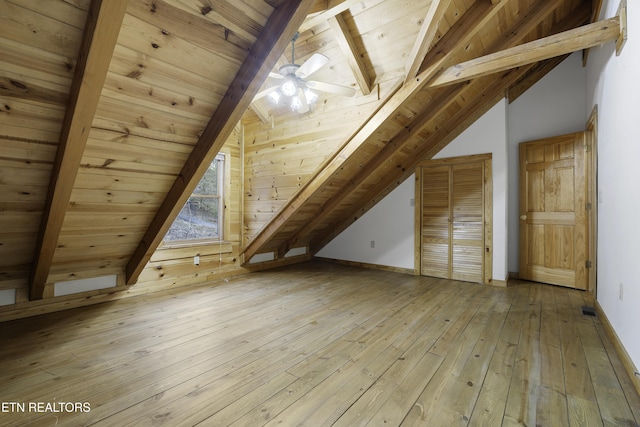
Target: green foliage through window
(201, 216)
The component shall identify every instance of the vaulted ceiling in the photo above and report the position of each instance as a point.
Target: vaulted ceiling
(112, 110)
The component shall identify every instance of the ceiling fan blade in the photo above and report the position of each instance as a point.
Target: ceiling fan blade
(276, 75)
(311, 65)
(304, 107)
(263, 93)
(331, 88)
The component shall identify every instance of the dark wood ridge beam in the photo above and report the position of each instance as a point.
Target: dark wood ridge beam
(426, 36)
(277, 33)
(99, 40)
(401, 140)
(348, 47)
(566, 42)
(439, 57)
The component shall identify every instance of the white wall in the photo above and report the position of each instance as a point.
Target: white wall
(553, 106)
(613, 85)
(390, 222)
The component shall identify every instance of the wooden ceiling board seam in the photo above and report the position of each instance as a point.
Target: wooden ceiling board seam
(168, 102)
(151, 115)
(35, 63)
(103, 136)
(176, 21)
(38, 31)
(169, 49)
(147, 70)
(68, 13)
(223, 13)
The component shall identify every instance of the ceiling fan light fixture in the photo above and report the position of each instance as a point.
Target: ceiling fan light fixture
(310, 95)
(296, 103)
(289, 87)
(275, 96)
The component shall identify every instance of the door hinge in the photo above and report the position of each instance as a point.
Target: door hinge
(587, 147)
(587, 264)
(588, 206)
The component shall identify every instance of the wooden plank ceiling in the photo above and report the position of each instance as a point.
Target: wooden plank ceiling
(112, 109)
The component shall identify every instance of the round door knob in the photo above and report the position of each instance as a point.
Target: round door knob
(523, 217)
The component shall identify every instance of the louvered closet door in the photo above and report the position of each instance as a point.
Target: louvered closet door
(435, 222)
(453, 222)
(467, 208)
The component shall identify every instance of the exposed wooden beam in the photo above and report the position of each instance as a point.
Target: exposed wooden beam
(350, 50)
(99, 40)
(566, 42)
(425, 37)
(333, 8)
(319, 6)
(280, 28)
(464, 30)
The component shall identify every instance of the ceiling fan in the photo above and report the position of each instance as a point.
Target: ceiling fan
(294, 89)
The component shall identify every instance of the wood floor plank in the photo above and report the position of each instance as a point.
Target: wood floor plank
(321, 344)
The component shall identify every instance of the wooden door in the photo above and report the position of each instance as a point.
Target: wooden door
(467, 222)
(553, 220)
(455, 228)
(436, 227)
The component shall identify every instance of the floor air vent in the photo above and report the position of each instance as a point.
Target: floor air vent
(588, 311)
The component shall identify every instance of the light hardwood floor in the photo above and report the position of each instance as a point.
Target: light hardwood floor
(321, 344)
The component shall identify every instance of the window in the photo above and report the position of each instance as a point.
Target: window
(201, 216)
